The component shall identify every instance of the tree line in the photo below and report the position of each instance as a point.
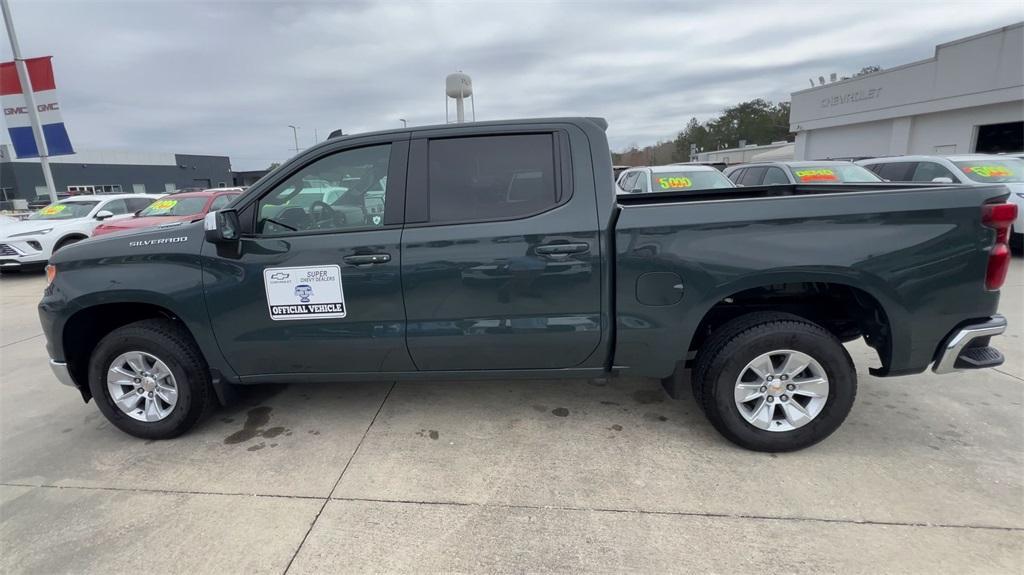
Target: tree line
(758, 121)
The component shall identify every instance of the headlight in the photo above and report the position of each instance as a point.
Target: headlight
(35, 233)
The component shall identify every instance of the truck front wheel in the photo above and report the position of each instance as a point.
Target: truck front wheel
(150, 380)
(775, 382)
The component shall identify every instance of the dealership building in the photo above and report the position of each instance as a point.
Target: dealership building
(968, 97)
(112, 172)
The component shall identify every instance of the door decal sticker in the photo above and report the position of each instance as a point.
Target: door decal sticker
(313, 292)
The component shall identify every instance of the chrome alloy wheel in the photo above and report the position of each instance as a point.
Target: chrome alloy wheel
(781, 390)
(142, 386)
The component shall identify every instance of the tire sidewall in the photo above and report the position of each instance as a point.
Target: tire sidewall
(826, 350)
(114, 345)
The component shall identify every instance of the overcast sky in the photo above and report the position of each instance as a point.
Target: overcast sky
(229, 77)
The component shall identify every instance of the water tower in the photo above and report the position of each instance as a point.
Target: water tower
(459, 86)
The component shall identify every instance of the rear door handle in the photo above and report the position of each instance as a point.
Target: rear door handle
(367, 259)
(562, 250)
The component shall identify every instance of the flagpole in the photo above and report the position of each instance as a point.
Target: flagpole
(30, 101)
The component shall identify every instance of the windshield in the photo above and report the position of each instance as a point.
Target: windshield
(689, 180)
(833, 173)
(993, 171)
(64, 211)
(175, 207)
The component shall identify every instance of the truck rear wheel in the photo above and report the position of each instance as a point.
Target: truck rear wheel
(150, 380)
(775, 382)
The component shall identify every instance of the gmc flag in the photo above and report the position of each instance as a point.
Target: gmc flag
(44, 90)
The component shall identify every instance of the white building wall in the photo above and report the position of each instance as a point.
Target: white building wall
(952, 132)
(847, 141)
(955, 132)
(923, 107)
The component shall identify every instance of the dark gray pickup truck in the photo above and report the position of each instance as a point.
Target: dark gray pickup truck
(500, 250)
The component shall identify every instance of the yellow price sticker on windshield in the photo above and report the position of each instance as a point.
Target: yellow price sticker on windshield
(163, 205)
(990, 171)
(673, 183)
(822, 175)
(53, 210)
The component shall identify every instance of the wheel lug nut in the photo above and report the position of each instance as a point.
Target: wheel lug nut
(770, 399)
(770, 378)
(764, 388)
(140, 390)
(791, 387)
(151, 394)
(783, 397)
(785, 377)
(137, 380)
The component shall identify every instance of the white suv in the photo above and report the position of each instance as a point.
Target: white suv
(962, 169)
(31, 242)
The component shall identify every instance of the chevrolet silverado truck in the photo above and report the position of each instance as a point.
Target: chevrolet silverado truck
(500, 250)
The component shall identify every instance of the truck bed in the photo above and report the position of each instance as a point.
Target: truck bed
(920, 251)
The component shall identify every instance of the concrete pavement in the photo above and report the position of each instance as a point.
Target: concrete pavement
(927, 475)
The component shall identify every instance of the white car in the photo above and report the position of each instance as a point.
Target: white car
(672, 178)
(30, 243)
(799, 172)
(962, 169)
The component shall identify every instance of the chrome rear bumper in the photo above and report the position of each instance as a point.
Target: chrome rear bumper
(959, 340)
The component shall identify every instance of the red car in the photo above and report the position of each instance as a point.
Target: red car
(181, 207)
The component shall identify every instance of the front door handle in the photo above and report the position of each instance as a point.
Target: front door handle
(562, 250)
(367, 259)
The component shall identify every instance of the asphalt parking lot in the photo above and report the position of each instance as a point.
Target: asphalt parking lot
(927, 475)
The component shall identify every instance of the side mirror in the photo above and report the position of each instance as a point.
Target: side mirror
(221, 226)
(943, 180)
(104, 214)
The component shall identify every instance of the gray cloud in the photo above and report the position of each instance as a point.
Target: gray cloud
(228, 77)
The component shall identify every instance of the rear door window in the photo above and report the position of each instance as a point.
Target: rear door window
(753, 176)
(736, 175)
(628, 180)
(136, 204)
(221, 201)
(896, 171)
(775, 176)
(928, 171)
(482, 178)
(116, 207)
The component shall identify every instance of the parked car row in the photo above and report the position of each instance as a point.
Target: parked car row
(971, 169)
(30, 243)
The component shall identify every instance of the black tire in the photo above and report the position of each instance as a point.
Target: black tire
(66, 242)
(174, 346)
(732, 346)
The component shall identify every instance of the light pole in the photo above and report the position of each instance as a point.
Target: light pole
(295, 134)
(404, 123)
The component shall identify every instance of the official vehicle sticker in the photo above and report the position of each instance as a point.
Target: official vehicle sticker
(822, 175)
(304, 292)
(674, 183)
(990, 171)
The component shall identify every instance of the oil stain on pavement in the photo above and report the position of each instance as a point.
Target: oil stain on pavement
(255, 421)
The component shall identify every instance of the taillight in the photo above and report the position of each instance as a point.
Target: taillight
(998, 217)
(51, 273)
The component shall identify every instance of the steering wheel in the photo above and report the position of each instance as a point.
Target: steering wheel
(325, 215)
